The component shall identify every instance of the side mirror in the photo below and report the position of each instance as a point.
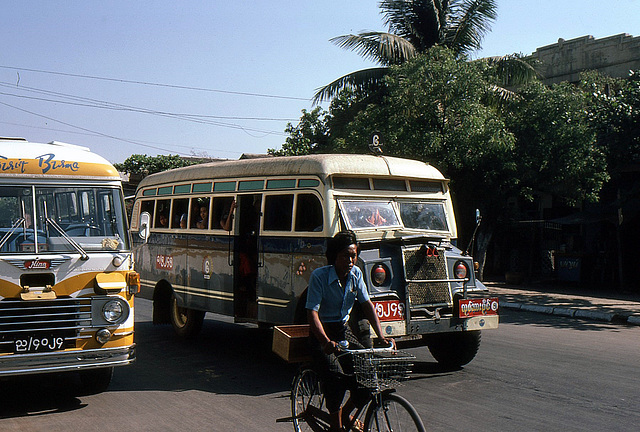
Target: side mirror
(145, 224)
(478, 217)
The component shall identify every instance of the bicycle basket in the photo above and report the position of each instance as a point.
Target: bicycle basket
(382, 370)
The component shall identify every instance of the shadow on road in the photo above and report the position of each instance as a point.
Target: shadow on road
(35, 395)
(225, 358)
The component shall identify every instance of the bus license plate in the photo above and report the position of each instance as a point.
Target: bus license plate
(31, 344)
(389, 310)
(478, 307)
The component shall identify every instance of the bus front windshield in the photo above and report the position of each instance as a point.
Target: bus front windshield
(52, 219)
(414, 215)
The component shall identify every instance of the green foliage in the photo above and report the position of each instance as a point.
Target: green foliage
(557, 151)
(308, 136)
(144, 165)
(614, 112)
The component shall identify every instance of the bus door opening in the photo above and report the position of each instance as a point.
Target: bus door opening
(246, 256)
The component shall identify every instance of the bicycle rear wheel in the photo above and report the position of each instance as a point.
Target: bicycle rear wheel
(305, 393)
(395, 413)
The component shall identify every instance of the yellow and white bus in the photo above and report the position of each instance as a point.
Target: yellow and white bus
(286, 208)
(66, 272)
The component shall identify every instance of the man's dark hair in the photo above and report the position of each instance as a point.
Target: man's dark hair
(337, 243)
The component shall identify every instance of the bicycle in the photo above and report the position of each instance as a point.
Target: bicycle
(377, 369)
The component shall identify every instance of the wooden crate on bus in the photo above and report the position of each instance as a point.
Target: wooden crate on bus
(290, 343)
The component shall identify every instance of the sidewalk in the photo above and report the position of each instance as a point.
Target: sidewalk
(569, 302)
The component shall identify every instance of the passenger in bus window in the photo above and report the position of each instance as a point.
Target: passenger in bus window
(227, 216)
(183, 220)
(163, 221)
(203, 221)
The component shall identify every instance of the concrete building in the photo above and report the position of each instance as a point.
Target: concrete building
(614, 56)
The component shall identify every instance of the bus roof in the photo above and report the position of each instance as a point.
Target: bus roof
(21, 158)
(323, 166)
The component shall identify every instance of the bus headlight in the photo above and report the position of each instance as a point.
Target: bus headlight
(379, 274)
(112, 311)
(460, 270)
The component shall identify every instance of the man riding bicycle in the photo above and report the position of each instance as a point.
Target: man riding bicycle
(332, 293)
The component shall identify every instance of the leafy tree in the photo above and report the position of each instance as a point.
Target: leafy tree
(614, 106)
(144, 165)
(308, 136)
(557, 151)
(438, 109)
(414, 27)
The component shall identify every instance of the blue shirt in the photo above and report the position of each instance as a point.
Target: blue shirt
(330, 299)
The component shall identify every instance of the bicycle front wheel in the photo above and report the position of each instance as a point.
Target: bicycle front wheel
(392, 412)
(305, 394)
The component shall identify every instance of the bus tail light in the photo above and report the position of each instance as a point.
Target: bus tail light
(133, 283)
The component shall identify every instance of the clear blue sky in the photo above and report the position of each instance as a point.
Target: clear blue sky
(220, 77)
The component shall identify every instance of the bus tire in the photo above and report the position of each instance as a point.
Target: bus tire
(186, 322)
(453, 350)
(94, 381)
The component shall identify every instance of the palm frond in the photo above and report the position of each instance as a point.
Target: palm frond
(418, 21)
(512, 70)
(359, 80)
(384, 48)
(468, 22)
(499, 95)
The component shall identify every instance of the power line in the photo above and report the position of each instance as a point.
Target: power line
(89, 130)
(156, 84)
(96, 103)
(137, 142)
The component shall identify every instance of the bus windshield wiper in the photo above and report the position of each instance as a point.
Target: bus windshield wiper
(83, 254)
(15, 225)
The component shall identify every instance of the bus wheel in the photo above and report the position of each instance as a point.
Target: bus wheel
(94, 381)
(453, 350)
(186, 322)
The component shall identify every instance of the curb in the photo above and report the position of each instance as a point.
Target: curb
(574, 313)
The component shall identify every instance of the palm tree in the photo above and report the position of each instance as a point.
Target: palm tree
(414, 27)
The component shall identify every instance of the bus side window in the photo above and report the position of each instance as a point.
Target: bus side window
(308, 213)
(200, 213)
(180, 213)
(278, 212)
(220, 214)
(161, 219)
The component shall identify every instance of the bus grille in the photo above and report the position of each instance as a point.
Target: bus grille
(425, 275)
(60, 317)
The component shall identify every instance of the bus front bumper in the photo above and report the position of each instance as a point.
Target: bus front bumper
(448, 325)
(65, 361)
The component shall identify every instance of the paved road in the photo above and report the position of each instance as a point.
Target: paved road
(535, 372)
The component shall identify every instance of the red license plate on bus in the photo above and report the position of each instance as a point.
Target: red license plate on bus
(478, 307)
(389, 310)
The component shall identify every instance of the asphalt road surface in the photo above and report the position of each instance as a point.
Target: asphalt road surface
(535, 373)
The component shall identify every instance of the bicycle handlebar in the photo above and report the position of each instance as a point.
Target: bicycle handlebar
(390, 348)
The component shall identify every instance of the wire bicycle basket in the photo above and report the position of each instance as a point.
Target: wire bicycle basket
(382, 369)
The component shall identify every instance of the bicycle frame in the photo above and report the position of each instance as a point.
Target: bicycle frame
(306, 389)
